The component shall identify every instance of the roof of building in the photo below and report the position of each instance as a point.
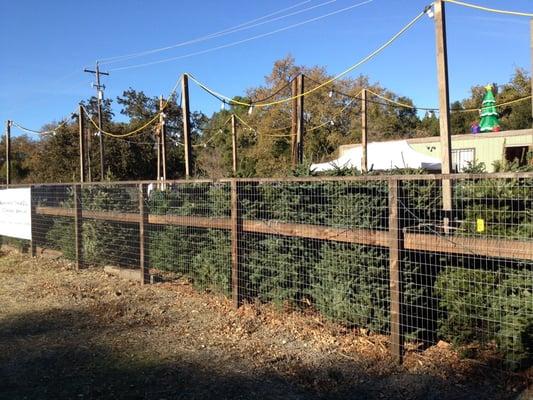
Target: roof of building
(469, 136)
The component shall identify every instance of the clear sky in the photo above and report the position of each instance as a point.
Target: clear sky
(46, 44)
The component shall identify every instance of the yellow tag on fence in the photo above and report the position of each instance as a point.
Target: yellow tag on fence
(480, 225)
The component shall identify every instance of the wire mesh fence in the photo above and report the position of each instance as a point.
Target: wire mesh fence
(377, 252)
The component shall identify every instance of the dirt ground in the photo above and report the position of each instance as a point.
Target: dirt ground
(82, 335)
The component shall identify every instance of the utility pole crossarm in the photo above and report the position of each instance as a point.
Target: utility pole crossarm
(96, 72)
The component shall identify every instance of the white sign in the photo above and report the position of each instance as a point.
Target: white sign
(15, 213)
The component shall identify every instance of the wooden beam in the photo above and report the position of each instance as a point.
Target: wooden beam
(364, 145)
(500, 248)
(196, 222)
(158, 144)
(78, 226)
(143, 237)
(300, 128)
(360, 236)
(234, 143)
(8, 153)
(81, 128)
(395, 279)
(517, 249)
(294, 122)
(186, 123)
(100, 215)
(163, 135)
(236, 235)
(444, 108)
(318, 179)
(531, 71)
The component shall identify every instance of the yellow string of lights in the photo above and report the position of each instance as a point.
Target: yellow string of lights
(496, 105)
(465, 110)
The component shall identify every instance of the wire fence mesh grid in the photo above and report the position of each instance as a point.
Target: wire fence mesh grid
(372, 253)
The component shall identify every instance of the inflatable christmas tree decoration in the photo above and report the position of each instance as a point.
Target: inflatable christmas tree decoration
(489, 116)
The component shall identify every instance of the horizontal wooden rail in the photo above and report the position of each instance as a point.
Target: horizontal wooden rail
(517, 249)
(196, 222)
(101, 215)
(310, 179)
(361, 236)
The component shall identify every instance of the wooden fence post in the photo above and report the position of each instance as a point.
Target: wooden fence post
(236, 234)
(78, 226)
(143, 236)
(395, 251)
(33, 214)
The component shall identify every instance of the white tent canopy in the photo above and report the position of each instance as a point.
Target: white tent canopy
(382, 156)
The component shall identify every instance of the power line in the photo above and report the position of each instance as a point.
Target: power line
(141, 128)
(225, 32)
(328, 82)
(224, 46)
(493, 10)
(36, 132)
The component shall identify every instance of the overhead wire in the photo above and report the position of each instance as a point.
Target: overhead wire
(42, 133)
(329, 81)
(335, 116)
(236, 28)
(205, 143)
(142, 127)
(495, 105)
(274, 94)
(493, 10)
(259, 36)
(404, 105)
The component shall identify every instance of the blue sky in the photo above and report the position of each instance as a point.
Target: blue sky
(46, 45)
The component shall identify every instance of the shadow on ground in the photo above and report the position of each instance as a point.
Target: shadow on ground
(65, 354)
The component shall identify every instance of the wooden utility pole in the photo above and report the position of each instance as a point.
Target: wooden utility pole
(294, 121)
(186, 123)
(88, 145)
(300, 123)
(444, 107)
(8, 152)
(158, 143)
(234, 143)
(364, 160)
(531, 50)
(163, 137)
(99, 97)
(81, 127)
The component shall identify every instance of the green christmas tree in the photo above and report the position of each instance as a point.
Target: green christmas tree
(489, 116)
